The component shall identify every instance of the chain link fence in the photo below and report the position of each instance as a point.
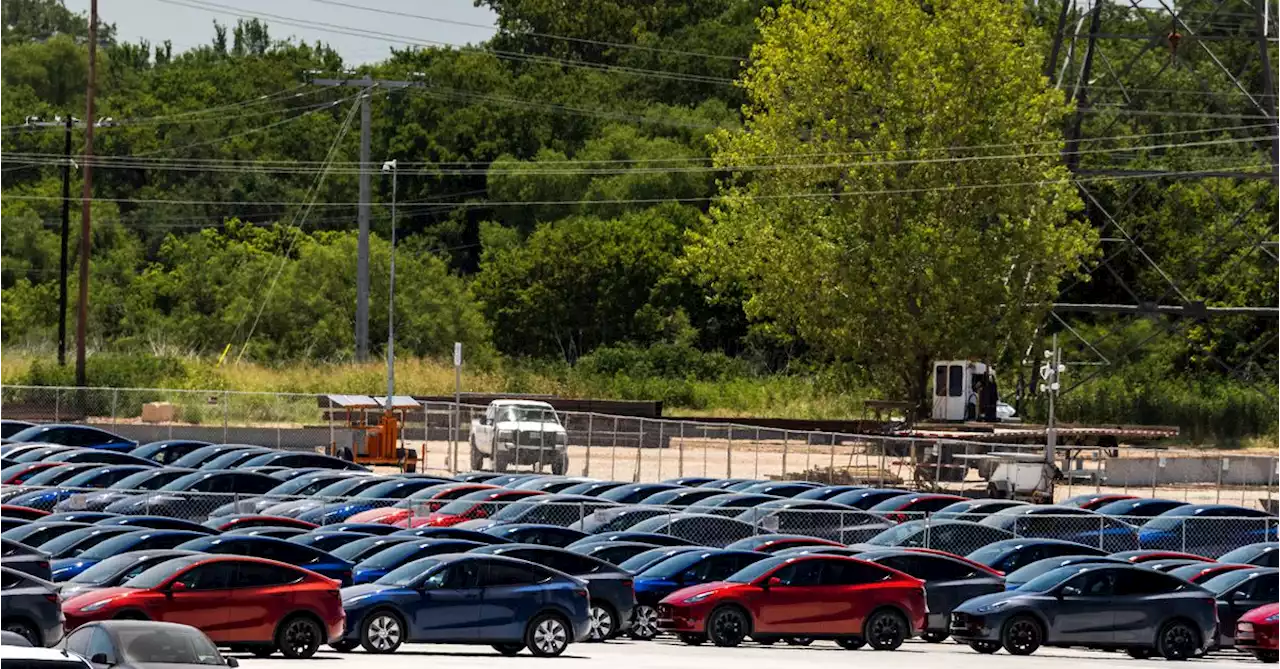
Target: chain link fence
(630, 448)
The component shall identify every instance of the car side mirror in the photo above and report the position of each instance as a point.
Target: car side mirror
(233, 662)
(99, 658)
(177, 586)
(772, 582)
(1068, 591)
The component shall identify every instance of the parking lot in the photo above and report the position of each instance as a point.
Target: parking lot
(670, 654)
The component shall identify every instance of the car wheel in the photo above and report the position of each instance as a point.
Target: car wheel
(477, 458)
(548, 635)
(1022, 636)
(344, 646)
(299, 638)
(509, 649)
(603, 622)
(1177, 641)
(500, 461)
(644, 623)
(560, 465)
(1266, 656)
(1139, 653)
(727, 626)
(985, 647)
(798, 640)
(382, 632)
(693, 639)
(934, 637)
(851, 642)
(885, 630)
(24, 630)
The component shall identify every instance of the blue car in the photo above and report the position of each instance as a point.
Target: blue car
(271, 548)
(473, 599)
(401, 554)
(146, 479)
(139, 540)
(81, 436)
(1208, 529)
(455, 532)
(97, 477)
(1134, 510)
(384, 494)
(1012, 554)
(681, 571)
(168, 450)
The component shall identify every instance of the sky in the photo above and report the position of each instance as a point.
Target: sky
(187, 26)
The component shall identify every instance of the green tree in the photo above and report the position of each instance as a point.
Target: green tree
(870, 247)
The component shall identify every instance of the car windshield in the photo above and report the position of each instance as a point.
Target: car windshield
(143, 645)
(1051, 578)
(466, 502)
(356, 548)
(1170, 519)
(113, 546)
(755, 571)
(340, 488)
(988, 554)
(533, 414)
(107, 570)
(394, 556)
(148, 480)
(1224, 582)
(161, 572)
(55, 547)
(396, 489)
(406, 575)
(675, 566)
(183, 482)
(638, 562)
(896, 535)
(53, 475)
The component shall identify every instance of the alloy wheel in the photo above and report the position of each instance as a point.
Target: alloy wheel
(1022, 637)
(550, 637)
(645, 624)
(384, 633)
(300, 639)
(601, 623)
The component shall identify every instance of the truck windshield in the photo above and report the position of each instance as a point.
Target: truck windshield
(529, 414)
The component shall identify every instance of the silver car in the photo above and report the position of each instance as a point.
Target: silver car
(29, 606)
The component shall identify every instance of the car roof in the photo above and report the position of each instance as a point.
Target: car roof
(41, 654)
(532, 403)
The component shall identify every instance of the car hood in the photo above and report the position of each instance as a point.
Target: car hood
(367, 575)
(292, 509)
(529, 426)
(478, 524)
(93, 596)
(356, 594)
(983, 601)
(685, 593)
(1260, 614)
(70, 590)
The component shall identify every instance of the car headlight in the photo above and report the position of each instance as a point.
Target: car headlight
(699, 597)
(95, 606)
(1273, 617)
(995, 606)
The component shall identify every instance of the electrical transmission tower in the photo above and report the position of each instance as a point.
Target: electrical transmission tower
(1190, 213)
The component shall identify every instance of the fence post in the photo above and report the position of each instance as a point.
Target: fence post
(613, 452)
(728, 456)
(681, 452)
(333, 439)
(661, 425)
(115, 403)
(1102, 532)
(880, 469)
(757, 445)
(1271, 470)
(786, 445)
(639, 445)
(831, 472)
(1155, 472)
(586, 465)
(57, 405)
(937, 465)
(279, 419)
(1217, 499)
(226, 407)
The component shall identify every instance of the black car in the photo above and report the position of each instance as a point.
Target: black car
(156, 523)
(119, 544)
(167, 450)
(99, 456)
(273, 531)
(780, 488)
(693, 481)
(618, 518)
(825, 520)
(1239, 592)
(1134, 510)
(37, 452)
(974, 510)
(95, 477)
(235, 458)
(21, 512)
(363, 549)
(327, 540)
(633, 493)
(774, 543)
(24, 558)
(642, 537)
(1107, 606)
(46, 478)
(724, 484)
(476, 477)
(610, 588)
(1259, 555)
(36, 534)
(151, 479)
(384, 561)
(184, 497)
(729, 504)
(199, 456)
(847, 551)
(79, 516)
(78, 541)
(959, 537)
(949, 581)
(866, 498)
(378, 529)
(1011, 554)
(533, 533)
(349, 486)
(1067, 523)
(563, 510)
(645, 560)
(8, 428)
(428, 532)
(681, 496)
(1016, 578)
(589, 488)
(613, 552)
(296, 459)
(10, 523)
(826, 492)
(681, 571)
(699, 528)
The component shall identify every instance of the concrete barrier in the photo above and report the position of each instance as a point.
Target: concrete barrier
(1239, 470)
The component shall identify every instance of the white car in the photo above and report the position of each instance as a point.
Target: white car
(519, 432)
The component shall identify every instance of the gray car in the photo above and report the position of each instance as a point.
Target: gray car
(30, 607)
(1097, 605)
(24, 558)
(144, 644)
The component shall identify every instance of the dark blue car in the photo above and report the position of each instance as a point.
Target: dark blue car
(532, 533)
(184, 497)
(146, 479)
(1133, 510)
(156, 523)
(97, 477)
(681, 571)
(139, 540)
(297, 459)
(1208, 529)
(1012, 554)
(168, 450)
(401, 554)
(1265, 554)
(81, 436)
(271, 548)
(474, 599)
(328, 541)
(384, 494)
(428, 532)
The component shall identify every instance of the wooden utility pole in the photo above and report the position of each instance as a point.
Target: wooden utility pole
(82, 322)
(66, 232)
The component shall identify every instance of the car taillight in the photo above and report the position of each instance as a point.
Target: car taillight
(51, 596)
(43, 564)
(582, 592)
(630, 584)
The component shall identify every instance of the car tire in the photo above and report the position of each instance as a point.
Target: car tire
(344, 646)
(560, 465)
(548, 635)
(500, 461)
(690, 639)
(604, 622)
(477, 458)
(299, 637)
(644, 623)
(985, 647)
(885, 630)
(727, 626)
(798, 640)
(1266, 656)
(25, 630)
(509, 649)
(382, 632)
(934, 637)
(1022, 635)
(851, 642)
(1177, 640)
(1139, 653)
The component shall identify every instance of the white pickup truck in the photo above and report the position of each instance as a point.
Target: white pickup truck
(519, 432)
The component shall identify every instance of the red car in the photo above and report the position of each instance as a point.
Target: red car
(913, 506)
(1195, 573)
(241, 602)
(471, 506)
(226, 523)
(1256, 633)
(1141, 556)
(1092, 501)
(850, 601)
(21, 472)
(23, 512)
(427, 500)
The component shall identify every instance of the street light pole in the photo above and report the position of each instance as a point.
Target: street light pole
(390, 166)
